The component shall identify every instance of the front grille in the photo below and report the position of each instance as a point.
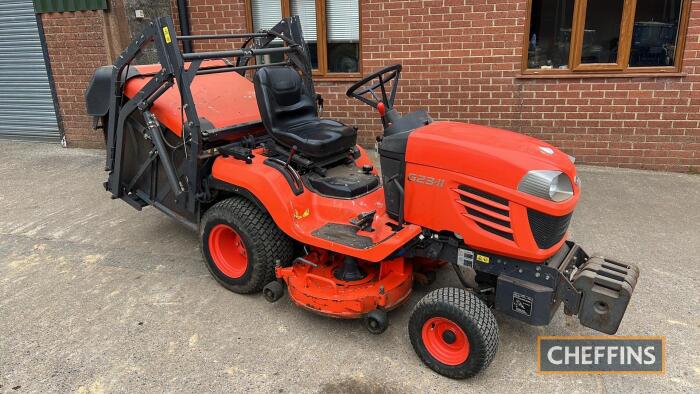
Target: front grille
(490, 212)
(547, 230)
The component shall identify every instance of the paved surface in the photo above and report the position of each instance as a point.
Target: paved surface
(95, 296)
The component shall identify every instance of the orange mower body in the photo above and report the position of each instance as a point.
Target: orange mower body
(232, 144)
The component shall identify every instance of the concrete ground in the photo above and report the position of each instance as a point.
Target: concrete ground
(95, 296)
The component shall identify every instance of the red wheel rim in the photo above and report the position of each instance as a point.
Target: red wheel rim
(228, 251)
(445, 341)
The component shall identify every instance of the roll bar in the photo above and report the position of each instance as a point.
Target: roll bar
(236, 53)
(181, 69)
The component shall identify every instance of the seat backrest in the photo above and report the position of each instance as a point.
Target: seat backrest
(282, 98)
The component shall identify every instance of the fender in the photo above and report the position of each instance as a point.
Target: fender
(299, 216)
(101, 89)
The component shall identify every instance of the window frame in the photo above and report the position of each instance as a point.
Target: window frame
(321, 39)
(621, 67)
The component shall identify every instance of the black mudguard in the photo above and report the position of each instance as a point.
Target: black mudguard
(100, 90)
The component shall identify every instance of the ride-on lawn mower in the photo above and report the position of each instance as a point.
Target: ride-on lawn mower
(286, 201)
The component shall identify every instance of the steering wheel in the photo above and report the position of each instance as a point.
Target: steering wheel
(383, 77)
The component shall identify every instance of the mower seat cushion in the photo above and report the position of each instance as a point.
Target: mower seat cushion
(288, 111)
(318, 138)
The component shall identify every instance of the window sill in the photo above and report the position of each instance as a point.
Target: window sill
(336, 78)
(570, 75)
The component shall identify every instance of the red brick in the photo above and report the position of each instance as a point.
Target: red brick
(76, 48)
(461, 60)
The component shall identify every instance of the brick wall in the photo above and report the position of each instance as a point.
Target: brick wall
(76, 45)
(462, 59)
(214, 17)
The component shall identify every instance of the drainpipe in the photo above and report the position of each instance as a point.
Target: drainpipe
(184, 24)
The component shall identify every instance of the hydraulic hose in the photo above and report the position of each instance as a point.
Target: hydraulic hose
(157, 139)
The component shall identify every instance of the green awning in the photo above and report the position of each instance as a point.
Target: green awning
(41, 6)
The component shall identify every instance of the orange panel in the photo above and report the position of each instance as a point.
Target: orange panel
(495, 161)
(224, 99)
(495, 155)
(299, 216)
(447, 213)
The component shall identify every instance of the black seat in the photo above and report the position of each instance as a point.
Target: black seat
(289, 114)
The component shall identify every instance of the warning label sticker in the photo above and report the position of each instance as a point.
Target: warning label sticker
(522, 304)
(166, 35)
(465, 257)
(483, 259)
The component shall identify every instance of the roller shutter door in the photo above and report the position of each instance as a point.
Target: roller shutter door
(26, 104)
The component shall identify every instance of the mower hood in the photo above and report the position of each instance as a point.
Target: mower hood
(491, 154)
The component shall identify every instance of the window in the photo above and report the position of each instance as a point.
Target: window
(331, 30)
(611, 36)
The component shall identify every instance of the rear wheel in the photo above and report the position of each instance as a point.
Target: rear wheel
(453, 332)
(241, 245)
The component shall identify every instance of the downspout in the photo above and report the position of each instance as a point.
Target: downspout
(184, 24)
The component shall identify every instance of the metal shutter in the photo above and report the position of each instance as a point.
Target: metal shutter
(26, 104)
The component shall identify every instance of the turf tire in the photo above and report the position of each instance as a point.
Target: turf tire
(471, 315)
(266, 245)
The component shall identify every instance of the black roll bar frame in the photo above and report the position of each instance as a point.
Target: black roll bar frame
(180, 70)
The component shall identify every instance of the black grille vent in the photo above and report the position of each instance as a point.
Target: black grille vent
(494, 231)
(547, 230)
(483, 194)
(489, 208)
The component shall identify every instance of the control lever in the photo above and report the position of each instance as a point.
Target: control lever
(292, 152)
(319, 102)
(381, 108)
(364, 220)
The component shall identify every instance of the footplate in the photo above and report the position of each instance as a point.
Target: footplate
(606, 287)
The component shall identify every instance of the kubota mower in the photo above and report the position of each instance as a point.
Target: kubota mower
(285, 201)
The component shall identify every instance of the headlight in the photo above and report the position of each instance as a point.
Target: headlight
(550, 185)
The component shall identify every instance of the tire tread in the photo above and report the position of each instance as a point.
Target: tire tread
(271, 246)
(458, 302)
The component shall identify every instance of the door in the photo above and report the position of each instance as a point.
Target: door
(27, 109)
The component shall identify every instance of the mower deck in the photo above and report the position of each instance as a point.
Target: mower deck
(313, 284)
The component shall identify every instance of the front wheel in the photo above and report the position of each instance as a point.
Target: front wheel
(241, 245)
(453, 332)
